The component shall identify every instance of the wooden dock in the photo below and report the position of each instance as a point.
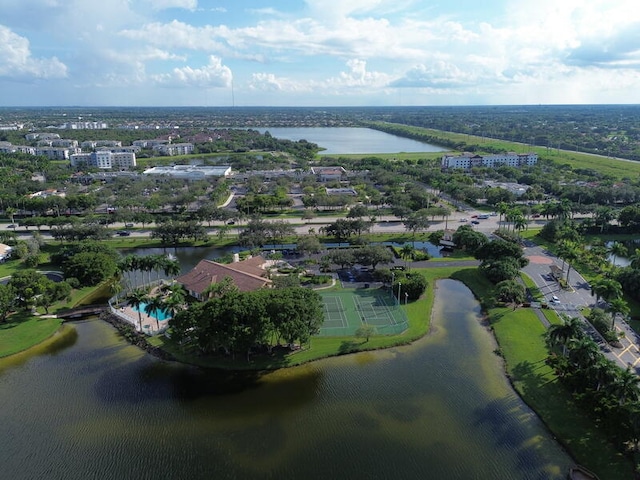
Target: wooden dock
(83, 311)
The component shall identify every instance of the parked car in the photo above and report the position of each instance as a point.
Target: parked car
(13, 225)
(123, 233)
(128, 225)
(475, 222)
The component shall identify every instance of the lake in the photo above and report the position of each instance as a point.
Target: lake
(89, 405)
(346, 140)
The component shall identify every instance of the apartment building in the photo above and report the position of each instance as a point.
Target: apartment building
(467, 160)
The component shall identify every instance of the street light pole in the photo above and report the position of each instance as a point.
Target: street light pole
(406, 298)
(399, 286)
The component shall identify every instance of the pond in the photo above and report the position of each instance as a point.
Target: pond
(92, 406)
(352, 140)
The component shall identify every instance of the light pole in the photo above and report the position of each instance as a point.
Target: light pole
(406, 298)
(399, 286)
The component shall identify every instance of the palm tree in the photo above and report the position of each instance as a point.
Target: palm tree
(618, 306)
(519, 223)
(10, 211)
(625, 386)
(635, 258)
(175, 300)
(171, 267)
(562, 333)
(606, 289)
(154, 305)
(569, 252)
(407, 252)
(617, 249)
(135, 299)
(583, 352)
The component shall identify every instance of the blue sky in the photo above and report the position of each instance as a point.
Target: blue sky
(318, 52)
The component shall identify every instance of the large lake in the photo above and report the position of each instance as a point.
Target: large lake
(91, 406)
(345, 140)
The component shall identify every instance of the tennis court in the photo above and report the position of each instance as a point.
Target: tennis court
(347, 310)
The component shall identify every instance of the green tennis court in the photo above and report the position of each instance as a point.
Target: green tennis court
(345, 311)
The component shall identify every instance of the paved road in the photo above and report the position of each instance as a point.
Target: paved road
(579, 296)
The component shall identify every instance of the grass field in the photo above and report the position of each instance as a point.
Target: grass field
(347, 310)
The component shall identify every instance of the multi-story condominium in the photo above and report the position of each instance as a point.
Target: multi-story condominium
(105, 159)
(84, 126)
(127, 148)
(467, 161)
(101, 143)
(57, 153)
(63, 142)
(41, 136)
(174, 149)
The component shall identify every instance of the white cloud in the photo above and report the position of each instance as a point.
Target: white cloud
(165, 4)
(17, 61)
(215, 74)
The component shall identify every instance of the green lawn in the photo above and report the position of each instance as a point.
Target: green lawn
(22, 331)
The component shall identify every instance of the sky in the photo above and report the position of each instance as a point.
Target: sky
(318, 52)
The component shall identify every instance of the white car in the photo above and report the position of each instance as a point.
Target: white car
(463, 220)
(555, 299)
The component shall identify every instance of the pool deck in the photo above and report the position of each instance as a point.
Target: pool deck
(149, 324)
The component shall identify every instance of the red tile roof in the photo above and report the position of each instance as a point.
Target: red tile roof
(246, 275)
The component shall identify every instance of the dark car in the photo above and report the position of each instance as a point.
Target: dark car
(123, 233)
(475, 222)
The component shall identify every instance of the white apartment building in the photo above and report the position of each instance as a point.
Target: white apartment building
(57, 153)
(174, 149)
(467, 160)
(105, 160)
(101, 143)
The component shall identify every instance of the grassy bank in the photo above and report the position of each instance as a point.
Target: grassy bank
(520, 334)
(22, 331)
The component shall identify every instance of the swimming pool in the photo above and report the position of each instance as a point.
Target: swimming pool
(157, 314)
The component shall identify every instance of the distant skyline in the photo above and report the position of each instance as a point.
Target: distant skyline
(318, 52)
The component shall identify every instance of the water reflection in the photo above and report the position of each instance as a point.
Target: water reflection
(440, 408)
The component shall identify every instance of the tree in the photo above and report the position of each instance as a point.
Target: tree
(606, 289)
(562, 333)
(507, 268)
(569, 252)
(618, 306)
(617, 249)
(365, 331)
(90, 268)
(7, 299)
(154, 305)
(308, 244)
(27, 285)
(372, 255)
(407, 252)
(135, 299)
(510, 291)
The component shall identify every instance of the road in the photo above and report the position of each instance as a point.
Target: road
(572, 300)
